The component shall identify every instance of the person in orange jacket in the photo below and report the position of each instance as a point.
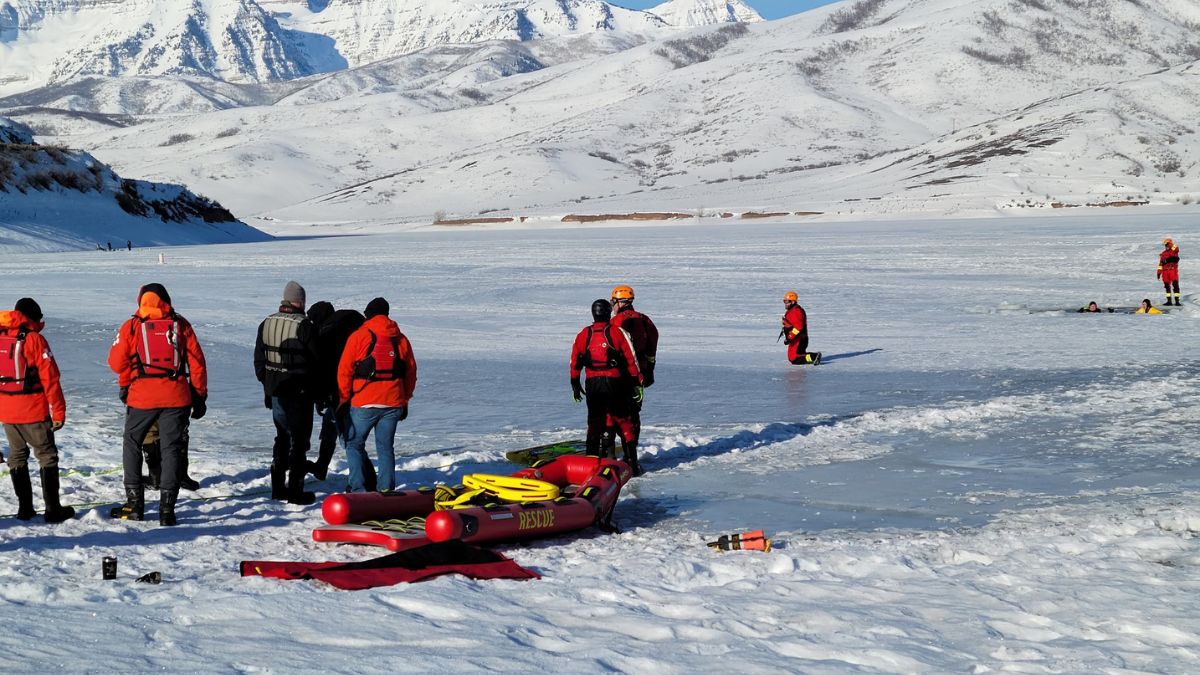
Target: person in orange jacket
(162, 378)
(614, 383)
(643, 336)
(376, 378)
(1168, 271)
(795, 331)
(32, 407)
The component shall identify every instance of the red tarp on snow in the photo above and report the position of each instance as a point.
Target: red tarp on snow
(418, 564)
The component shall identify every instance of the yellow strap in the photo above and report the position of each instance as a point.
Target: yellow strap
(512, 489)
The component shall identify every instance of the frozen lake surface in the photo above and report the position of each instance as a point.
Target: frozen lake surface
(976, 479)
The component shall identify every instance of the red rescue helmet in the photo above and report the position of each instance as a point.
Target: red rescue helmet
(622, 292)
(790, 296)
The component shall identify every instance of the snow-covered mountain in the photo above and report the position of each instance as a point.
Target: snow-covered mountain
(868, 106)
(697, 13)
(51, 42)
(52, 198)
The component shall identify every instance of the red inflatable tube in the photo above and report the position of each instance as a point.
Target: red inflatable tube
(358, 507)
(599, 481)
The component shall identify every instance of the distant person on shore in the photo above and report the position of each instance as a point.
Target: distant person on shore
(1168, 271)
(163, 378)
(795, 331)
(129, 244)
(110, 246)
(285, 362)
(1147, 308)
(32, 408)
(376, 378)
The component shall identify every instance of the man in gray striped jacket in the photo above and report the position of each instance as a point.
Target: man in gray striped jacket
(285, 361)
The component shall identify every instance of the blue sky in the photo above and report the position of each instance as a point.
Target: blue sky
(770, 9)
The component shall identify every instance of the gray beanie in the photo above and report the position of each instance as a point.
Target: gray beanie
(293, 294)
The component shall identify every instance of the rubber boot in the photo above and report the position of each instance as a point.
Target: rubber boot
(296, 493)
(631, 457)
(55, 512)
(24, 490)
(370, 478)
(166, 507)
(278, 483)
(134, 507)
(153, 454)
(185, 481)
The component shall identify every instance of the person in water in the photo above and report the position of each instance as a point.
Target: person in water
(1147, 308)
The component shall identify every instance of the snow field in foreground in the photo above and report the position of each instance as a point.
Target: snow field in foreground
(977, 480)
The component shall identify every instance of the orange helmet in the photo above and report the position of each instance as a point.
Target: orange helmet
(622, 293)
(1168, 242)
(790, 295)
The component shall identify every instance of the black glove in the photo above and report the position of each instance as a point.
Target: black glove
(124, 394)
(199, 405)
(343, 409)
(403, 412)
(267, 403)
(648, 376)
(576, 390)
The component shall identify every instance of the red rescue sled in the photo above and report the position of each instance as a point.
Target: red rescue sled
(589, 490)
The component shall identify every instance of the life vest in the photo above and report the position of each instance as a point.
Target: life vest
(281, 342)
(15, 377)
(601, 355)
(383, 362)
(159, 348)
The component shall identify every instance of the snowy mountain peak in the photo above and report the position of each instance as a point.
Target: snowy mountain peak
(696, 13)
(45, 42)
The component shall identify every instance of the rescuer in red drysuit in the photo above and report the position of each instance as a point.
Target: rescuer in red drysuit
(614, 382)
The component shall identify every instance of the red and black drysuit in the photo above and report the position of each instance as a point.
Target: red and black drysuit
(1168, 271)
(606, 353)
(795, 333)
(643, 336)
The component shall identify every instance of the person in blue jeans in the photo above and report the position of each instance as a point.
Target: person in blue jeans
(376, 377)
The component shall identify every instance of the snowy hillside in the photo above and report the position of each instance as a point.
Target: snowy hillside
(56, 199)
(53, 42)
(897, 106)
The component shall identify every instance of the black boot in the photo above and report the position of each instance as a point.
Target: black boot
(296, 493)
(278, 483)
(185, 481)
(631, 458)
(55, 512)
(166, 507)
(134, 507)
(24, 490)
(153, 453)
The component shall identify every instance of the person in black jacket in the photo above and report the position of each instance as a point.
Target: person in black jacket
(285, 361)
(333, 330)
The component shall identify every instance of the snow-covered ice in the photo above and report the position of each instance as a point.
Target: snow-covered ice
(978, 479)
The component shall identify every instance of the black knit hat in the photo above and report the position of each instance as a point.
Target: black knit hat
(320, 312)
(29, 308)
(156, 289)
(376, 307)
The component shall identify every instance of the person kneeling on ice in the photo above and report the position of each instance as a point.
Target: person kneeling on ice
(614, 382)
(376, 378)
(1147, 308)
(795, 332)
(32, 407)
(162, 378)
(285, 362)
